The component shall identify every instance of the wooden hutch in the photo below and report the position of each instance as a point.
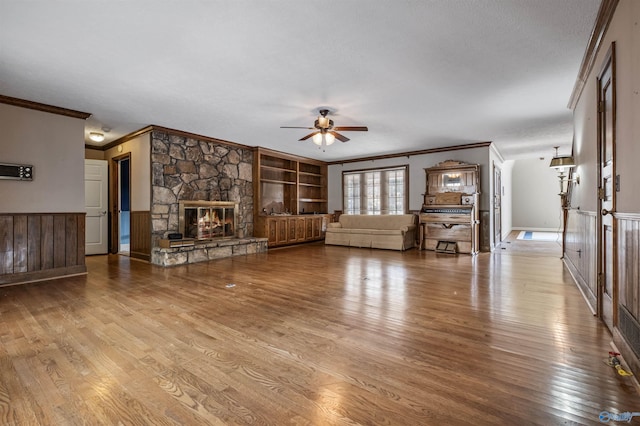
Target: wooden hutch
(290, 198)
(449, 219)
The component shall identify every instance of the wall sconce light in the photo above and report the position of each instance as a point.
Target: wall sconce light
(560, 163)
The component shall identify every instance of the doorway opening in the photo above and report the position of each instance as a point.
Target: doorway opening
(120, 195)
(124, 206)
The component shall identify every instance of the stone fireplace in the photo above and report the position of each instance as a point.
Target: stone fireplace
(186, 168)
(208, 220)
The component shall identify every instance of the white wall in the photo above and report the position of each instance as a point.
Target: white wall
(54, 145)
(536, 203)
(417, 177)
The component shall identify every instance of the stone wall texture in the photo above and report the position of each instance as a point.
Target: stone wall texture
(183, 168)
(205, 251)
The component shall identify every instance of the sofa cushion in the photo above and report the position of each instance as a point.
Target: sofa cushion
(351, 231)
(383, 221)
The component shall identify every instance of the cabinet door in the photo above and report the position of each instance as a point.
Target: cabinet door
(272, 231)
(300, 225)
(293, 230)
(317, 227)
(282, 231)
(308, 224)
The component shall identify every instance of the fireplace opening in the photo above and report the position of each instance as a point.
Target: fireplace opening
(206, 220)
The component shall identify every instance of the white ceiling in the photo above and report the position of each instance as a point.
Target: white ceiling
(420, 74)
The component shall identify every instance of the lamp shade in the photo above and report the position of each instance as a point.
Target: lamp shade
(317, 138)
(558, 162)
(329, 138)
(323, 122)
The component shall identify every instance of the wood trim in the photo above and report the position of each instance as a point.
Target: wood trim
(38, 246)
(287, 156)
(43, 107)
(410, 153)
(140, 235)
(49, 274)
(605, 15)
(268, 151)
(120, 141)
(114, 190)
(155, 128)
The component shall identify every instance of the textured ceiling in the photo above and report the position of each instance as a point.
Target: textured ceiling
(420, 74)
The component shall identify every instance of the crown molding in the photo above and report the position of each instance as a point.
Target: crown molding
(412, 153)
(605, 15)
(154, 128)
(43, 107)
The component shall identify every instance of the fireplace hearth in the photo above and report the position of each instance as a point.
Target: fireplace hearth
(208, 220)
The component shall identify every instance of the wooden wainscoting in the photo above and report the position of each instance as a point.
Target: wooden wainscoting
(37, 246)
(580, 253)
(485, 230)
(140, 235)
(628, 262)
(627, 332)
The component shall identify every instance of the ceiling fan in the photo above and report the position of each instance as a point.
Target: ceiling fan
(325, 133)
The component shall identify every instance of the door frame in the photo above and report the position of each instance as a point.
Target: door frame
(497, 200)
(609, 62)
(114, 200)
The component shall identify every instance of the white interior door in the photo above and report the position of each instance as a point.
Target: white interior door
(497, 205)
(607, 193)
(96, 198)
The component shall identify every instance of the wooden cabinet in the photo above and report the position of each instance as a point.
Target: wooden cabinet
(290, 197)
(288, 184)
(285, 230)
(312, 188)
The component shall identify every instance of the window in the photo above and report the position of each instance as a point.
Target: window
(375, 191)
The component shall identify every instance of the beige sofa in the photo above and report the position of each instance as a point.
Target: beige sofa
(387, 231)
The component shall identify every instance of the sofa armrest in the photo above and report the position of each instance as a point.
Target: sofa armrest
(334, 225)
(408, 228)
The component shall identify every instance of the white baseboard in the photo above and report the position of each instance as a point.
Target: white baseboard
(517, 228)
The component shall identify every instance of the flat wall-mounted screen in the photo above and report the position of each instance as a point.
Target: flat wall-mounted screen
(16, 171)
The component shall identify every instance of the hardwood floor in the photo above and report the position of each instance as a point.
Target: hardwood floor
(310, 335)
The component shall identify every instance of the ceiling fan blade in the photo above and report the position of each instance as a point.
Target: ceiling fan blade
(293, 127)
(352, 128)
(310, 135)
(340, 137)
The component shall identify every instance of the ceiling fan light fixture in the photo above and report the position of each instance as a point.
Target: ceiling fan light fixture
(329, 138)
(324, 133)
(323, 122)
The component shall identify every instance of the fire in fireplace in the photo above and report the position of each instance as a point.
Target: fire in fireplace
(204, 220)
